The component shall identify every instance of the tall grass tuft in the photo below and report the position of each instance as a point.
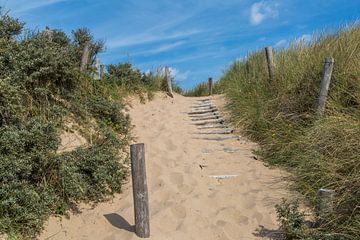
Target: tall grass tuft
(280, 115)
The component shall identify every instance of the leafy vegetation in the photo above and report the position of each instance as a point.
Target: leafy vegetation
(202, 89)
(322, 152)
(41, 91)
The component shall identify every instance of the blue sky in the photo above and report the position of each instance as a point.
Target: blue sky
(196, 38)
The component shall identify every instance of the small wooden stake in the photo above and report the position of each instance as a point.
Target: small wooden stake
(270, 61)
(102, 70)
(210, 86)
(325, 84)
(326, 201)
(85, 57)
(169, 82)
(140, 192)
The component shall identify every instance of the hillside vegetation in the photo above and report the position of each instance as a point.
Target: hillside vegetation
(322, 152)
(44, 96)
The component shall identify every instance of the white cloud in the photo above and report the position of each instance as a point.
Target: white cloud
(161, 49)
(262, 10)
(178, 75)
(280, 44)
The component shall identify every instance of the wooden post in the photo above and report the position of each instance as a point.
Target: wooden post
(140, 192)
(97, 71)
(270, 61)
(102, 70)
(169, 82)
(210, 86)
(325, 84)
(326, 201)
(85, 57)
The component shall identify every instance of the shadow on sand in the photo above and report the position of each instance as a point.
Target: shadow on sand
(119, 222)
(269, 233)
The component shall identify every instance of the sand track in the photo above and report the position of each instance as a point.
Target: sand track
(189, 198)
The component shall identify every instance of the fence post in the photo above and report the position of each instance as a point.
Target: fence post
(97, 71)
(270, 61)
(326, 201)
(102, 70)
(85, 57)
(169, 82)
(325, 84)
(140, 192)
(210, 86)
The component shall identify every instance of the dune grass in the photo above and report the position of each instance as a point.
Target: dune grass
(280, 114)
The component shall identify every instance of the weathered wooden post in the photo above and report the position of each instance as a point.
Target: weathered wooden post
(97, 71)
(140, 192)
(270, 61)
(169, 82)
(85, 57)
(210, 86)
(102, 70)
(325, 84)
(326, 203)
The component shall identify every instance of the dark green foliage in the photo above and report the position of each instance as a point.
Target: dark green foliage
(41, 86)
(280, 115)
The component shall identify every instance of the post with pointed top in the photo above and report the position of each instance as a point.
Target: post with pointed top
(140, 191)
(325, 84)
(210, 86)
(169, 82)
(270, 61)
(85, 57)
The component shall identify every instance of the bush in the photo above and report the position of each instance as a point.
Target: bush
(40, 87)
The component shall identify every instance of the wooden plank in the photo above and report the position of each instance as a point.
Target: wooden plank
(206, 118)
(270, 61)
(212, 126)
(325, 84)
(211, 114)
(222, 131)
(219, 177)
(203, 111)
(140, 191)
(210, 122)
(203, 108)
(219, 138)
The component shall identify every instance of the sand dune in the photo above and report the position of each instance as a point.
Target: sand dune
(198, 188)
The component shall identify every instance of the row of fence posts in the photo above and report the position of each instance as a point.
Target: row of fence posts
(325, 196)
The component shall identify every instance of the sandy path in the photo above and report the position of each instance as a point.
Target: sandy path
(185, 203)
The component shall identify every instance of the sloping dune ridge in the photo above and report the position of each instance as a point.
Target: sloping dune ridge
(201, 186)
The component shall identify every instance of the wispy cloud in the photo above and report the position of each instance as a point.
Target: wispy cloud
(160, 49)
(262, 10)
(148, 37)
(22, 6)
(178, 75)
